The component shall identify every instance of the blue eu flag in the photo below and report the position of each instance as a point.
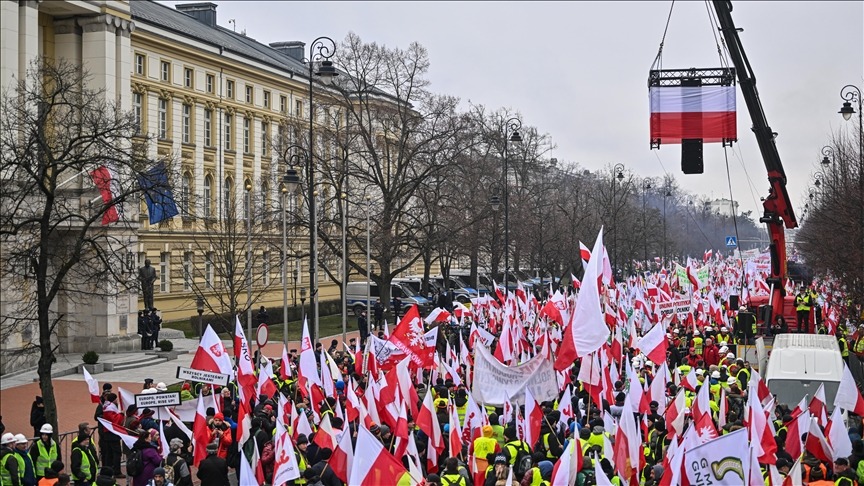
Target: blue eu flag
(157, 193)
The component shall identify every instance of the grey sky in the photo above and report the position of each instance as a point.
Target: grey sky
(578, 70)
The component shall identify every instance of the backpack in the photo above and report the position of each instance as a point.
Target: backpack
(135, 463)
(169, 470)
(523, 460)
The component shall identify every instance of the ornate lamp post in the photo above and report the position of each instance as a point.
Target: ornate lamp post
(320, 51)
(852, 94)
(199, 304)
(618, 173)
(511, 134)
(290, 185)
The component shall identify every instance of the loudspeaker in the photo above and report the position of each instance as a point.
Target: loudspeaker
(733, 302)
(691, 156)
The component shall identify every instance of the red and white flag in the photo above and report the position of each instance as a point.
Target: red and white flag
(427, 421)
(410, 338)
(568, 465)
(761, 433)
(438, 315)
(307, 375)
(700, 459)
(92, 386)
(654, 343)
(343, 456)
(675, 414)
(285, 467)
(838, 435)
(799, 425)
(375, 466)
(628, 441)
(697, 112)
(533, 418)
(816, 443)
(211, 354)
(119, 431)
(587, 330)
(848, 397)
(104, 180)
(200, 432)
(285, 368)
(818, 406)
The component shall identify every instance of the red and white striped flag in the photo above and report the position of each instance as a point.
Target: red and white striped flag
(375, 466)
(697, 112)
(92, 386)
(104, 180)
(848, 397)
(211, 354)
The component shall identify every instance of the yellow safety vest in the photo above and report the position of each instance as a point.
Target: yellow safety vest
(85, 464)
(5, 475)
(453, 480)
(845, 348)
(697, 344)
(45, 458)
(483, 446)
(498, 434)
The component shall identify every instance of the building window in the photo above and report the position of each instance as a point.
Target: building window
(208, 196)
(208, 128)
(266, 99)
(298, 108)
(211, 80)
(165, 71)
(137, 110)
(208, 270)
(265, 135)
(163, 119)
(188, 78)
(228, 198)
(164, 269)
(229, 89)
(187, 270)
(185, 194)
(283, 104)
(266, 257)
(140, 63)
(249, 94)
(246, 129)
(228, 120)
(187, 124)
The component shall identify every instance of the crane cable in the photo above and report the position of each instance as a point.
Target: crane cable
(658, 61)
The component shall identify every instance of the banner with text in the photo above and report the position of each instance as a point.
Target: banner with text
(495, 383)
(678, 306)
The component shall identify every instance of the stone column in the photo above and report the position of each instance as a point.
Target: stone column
(67, 41)
(28, 35)
(99, 46)
(8, 42)
(123, 66)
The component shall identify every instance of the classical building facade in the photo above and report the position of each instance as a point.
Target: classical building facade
(213, 101)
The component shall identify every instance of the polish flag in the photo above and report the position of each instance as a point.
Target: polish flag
(460, 310)
(455, 438)
(657, 389)
(285, 368)
(200, 432)
(837, 435)
(427, 421)
(438, 315)
(690, 381)
(565, 406)
(343, 456)
(794, 478)
(307, 375)
(375, 466)
(761, 435)
(568, 465)
(119, 431)
(817, 406)
(675, 414)
(326, 436)
(848, 396)
(628, 443)
(299, 424)
(799, 424)
(692, 112)
(702, 404)
(211, 355)
(533, 418)
(587, 331)
(816, 443)
(707, 256)
(584, 252)
(575, 282)
(104, 180)
(92, 386)
(654, 343)
(601, 478)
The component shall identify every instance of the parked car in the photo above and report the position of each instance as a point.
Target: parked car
(355, 296)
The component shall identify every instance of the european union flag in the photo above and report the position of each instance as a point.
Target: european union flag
(157, 193)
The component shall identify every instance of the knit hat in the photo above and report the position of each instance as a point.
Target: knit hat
(212, 448)
(219, 416)
(159, 471)
(500, 459)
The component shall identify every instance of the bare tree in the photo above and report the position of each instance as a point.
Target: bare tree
(54, 132)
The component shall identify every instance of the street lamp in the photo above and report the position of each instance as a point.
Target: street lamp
(303, 302)
(248, 211)
(511, 134)
(290, 184)
(646, 184)
(851, 94)
(368, 259)
(321, 50)
(619, 170)
(343, 203)
(199, 304)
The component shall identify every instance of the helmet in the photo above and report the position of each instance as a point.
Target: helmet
(7, 438)
(46, 429)
(730, 356)
(731, 380)
(20, 439)
(715, 374)
(723, 329)
(709, 328)
(161, 386)
(724, 349)
(695, 333)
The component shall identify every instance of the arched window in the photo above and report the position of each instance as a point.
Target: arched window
(185, 195)
(208, 196)
(228, 197)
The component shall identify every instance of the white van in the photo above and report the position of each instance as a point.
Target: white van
(799, 363)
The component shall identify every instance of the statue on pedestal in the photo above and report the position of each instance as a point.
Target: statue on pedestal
(147, 276)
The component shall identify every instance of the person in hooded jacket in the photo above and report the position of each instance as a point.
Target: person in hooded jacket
(105, 477)
(151, 459)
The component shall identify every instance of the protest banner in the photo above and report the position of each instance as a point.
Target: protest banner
(201, 376)
(156, 400)
(495, 383)
(677, 306)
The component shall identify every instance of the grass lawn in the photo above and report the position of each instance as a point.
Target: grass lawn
(328, 326)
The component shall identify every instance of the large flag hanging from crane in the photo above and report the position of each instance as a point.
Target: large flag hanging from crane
(692, 112)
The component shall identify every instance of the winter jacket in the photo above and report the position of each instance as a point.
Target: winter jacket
(151, 460)
(213, 471)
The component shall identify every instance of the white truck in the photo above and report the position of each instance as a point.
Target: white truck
(800, 363)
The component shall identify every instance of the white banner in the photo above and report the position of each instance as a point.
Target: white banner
(192, 374)
(494, 383)
(678, 306)
(719, 462)
(156, 400)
